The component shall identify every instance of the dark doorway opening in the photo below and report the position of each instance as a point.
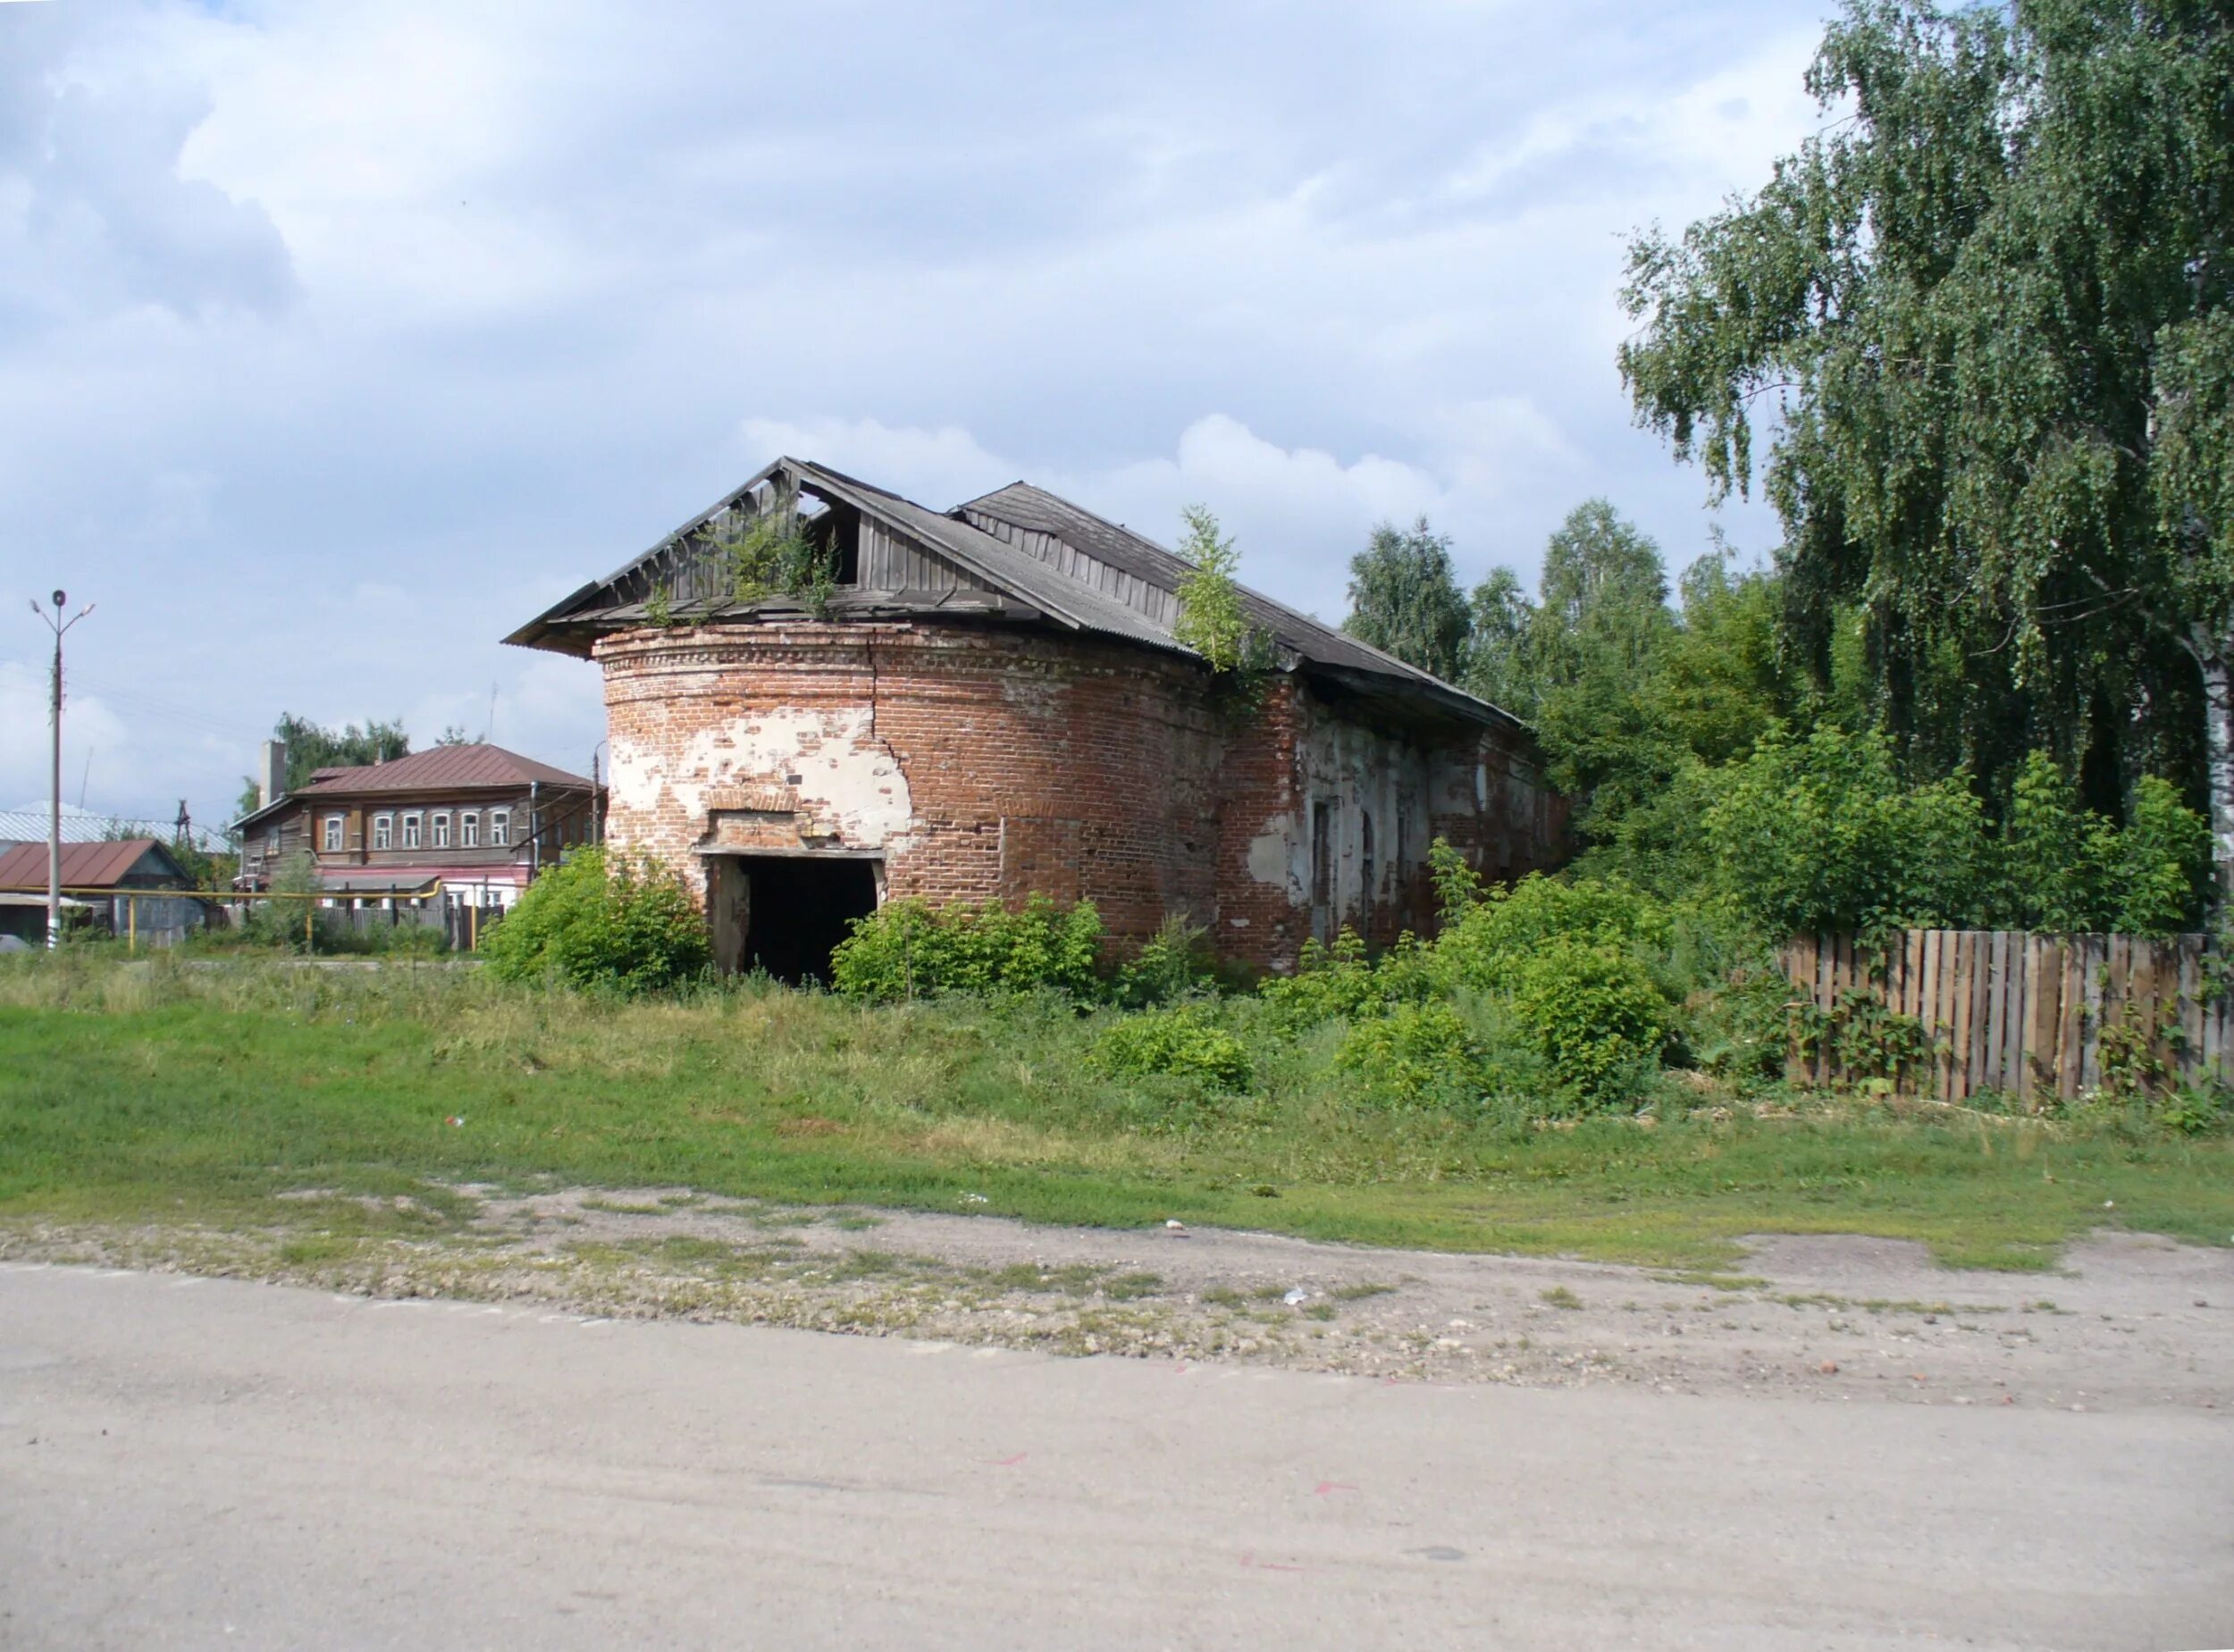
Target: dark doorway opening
(786, 913)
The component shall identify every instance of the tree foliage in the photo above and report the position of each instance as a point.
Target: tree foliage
(1403, 599)
(1497, 666)
(311, 747)
(1822, 833)
(1974, 338)
(1213, 617)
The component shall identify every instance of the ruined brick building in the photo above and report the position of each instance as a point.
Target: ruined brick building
(990, 701)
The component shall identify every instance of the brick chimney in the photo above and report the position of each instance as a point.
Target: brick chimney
(271, 780)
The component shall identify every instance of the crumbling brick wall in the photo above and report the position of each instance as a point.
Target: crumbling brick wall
(984, 763)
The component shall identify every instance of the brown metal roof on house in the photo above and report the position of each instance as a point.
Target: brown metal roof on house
(441, 768)
(84, 866)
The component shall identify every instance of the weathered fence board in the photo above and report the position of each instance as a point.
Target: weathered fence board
(2019, 1014)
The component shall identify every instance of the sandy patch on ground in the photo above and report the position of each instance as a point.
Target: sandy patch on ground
(2129, 1320)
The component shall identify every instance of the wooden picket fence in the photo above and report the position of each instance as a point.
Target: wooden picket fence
(2020, 1014)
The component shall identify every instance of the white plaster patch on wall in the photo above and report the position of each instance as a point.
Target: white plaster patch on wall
(1036, 696)
(1269, 856)
(848, 782)
(1366, 776)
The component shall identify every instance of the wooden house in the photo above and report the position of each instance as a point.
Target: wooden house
(476, 821)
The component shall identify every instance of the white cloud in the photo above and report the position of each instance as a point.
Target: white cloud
(337, 338)
(1297, 513)
(94, 211)
(91, 731)
(934, 467)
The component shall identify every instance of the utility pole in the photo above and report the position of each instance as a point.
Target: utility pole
(59, 627)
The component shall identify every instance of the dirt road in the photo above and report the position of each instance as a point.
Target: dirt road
(197, 1463)
(2123, 1319)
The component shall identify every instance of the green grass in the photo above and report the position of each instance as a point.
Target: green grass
(159, 1089)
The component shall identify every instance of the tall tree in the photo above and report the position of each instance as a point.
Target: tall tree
(1500, 620)
(1600, 622)
(311, 747)
(1980, 328)
(1404, 600)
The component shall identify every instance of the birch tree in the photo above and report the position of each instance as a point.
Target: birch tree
(1975, 336)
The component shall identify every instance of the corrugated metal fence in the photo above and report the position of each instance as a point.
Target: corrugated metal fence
(2024, 1014)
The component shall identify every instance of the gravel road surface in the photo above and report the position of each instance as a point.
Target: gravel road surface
(204, 1462)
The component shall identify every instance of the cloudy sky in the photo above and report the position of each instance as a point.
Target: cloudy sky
(339, 338)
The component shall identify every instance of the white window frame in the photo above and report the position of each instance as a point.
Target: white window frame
(439, 824)
(331, 844)
(499, 828)
(468, 829)
(411, 831)
(383, 831)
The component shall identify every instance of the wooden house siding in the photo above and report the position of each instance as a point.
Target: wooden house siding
(564, 818)
(891, 561)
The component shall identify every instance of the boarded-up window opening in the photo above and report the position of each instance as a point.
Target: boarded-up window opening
(1322, 864)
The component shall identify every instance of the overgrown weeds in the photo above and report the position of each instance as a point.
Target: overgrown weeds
(168, 1089)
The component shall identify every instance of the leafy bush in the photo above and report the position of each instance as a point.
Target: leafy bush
(1819, 834)
(1213, 619)
(279, 921)
(632, 926)
(1174, 963)
(909, 949)
(2163, 863)
(1342, 980)
(1597, 1019)
(1415, 1055)
(1183, 1041)
(1488, 945)
(1739, 1026)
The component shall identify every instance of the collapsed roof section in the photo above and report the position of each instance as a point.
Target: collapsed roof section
(1019, 555)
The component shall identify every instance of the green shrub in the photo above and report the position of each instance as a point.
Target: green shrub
(280, 922)
(1489, 944)
(1183, 1041)
(1331, 983)
(1415, 1055)
(1823, 835)
(1175, 962)
(2163, 863)
(633, 927)
(908, 949)
(1596, 1017)
(1740, 1027)
(1820, 834)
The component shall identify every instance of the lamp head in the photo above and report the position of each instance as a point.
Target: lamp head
(61, 599)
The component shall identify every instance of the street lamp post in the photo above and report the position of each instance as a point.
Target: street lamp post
(59, 627)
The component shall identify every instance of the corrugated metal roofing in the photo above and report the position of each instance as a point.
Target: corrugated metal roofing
(441, 768)
(84, 866)
(86, 826)
(1028, 506)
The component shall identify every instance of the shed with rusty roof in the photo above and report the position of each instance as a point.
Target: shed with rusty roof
(124, 885)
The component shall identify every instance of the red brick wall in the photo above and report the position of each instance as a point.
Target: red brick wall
(985, 763)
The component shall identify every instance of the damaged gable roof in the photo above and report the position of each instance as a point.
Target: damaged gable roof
(1117, 547)
(1041, 557)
